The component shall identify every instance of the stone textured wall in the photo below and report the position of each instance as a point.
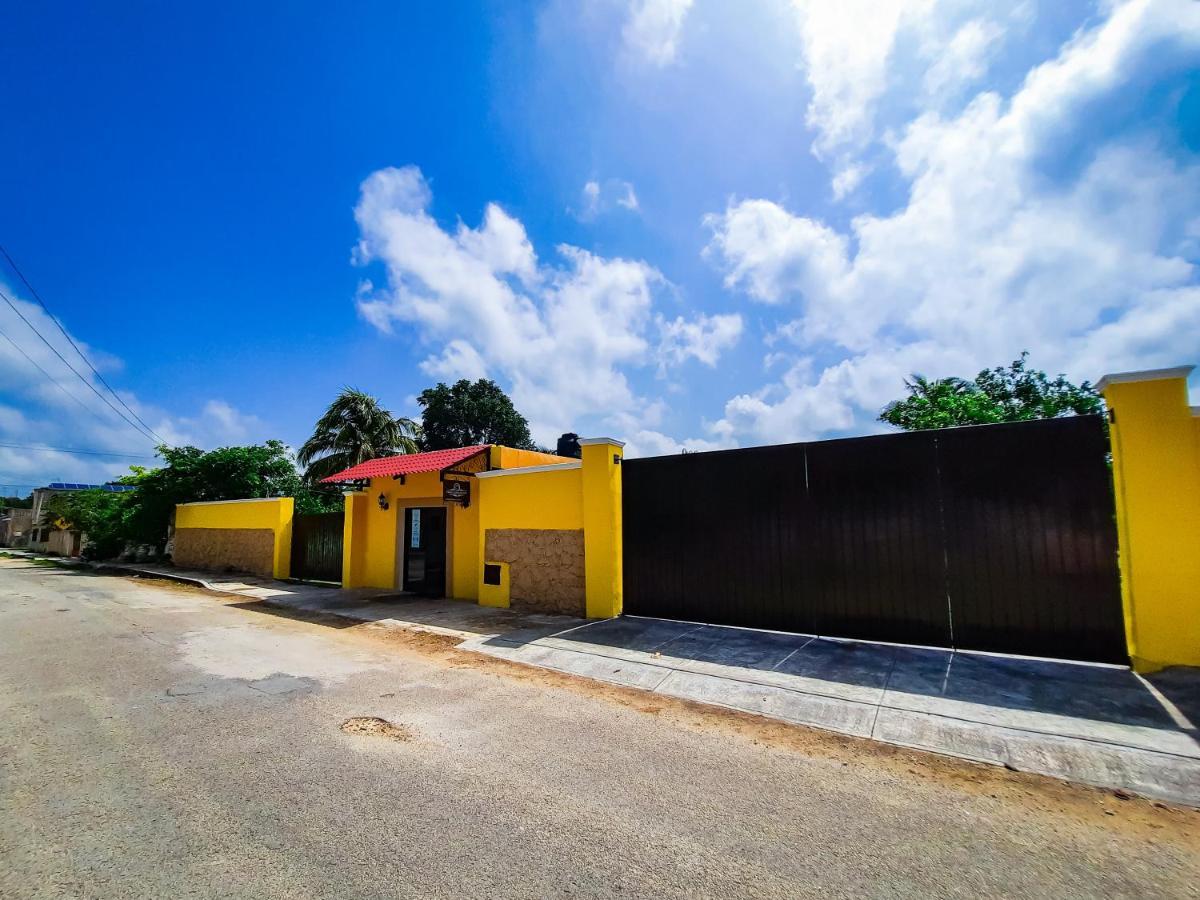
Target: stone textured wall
(226, 549)
(545, 567)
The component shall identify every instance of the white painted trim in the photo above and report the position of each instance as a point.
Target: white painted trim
(245, 500)
(587, 442)
(529, 470)
(1144, 375)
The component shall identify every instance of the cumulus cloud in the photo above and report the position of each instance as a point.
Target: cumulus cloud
(704, 338)
(652, 29)
(563, 334)
(867, 58)
(1025, 228)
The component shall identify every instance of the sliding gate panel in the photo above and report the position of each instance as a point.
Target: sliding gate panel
(877, 563)
(718, 537)
(994, 537)
(1031, 539)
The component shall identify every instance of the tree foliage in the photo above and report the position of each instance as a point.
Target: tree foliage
(102, 515)
(188, 474)
(468, 413)
(191, 475)
(1003, 394)
(353, 429)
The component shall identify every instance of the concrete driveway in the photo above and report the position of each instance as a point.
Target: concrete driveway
(1095, 724)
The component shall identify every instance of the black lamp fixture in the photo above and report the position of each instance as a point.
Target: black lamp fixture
(383, 503)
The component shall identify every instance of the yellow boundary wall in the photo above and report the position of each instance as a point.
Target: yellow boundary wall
(275, 513)
(1156, 477)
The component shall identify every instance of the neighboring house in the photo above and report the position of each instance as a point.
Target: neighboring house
(55, 538)
(15, 525)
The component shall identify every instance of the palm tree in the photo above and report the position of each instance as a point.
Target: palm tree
(354, 429)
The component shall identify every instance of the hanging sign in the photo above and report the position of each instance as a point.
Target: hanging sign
(414, 540)
(457, 492)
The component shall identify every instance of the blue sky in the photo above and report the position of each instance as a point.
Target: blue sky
(687, 224)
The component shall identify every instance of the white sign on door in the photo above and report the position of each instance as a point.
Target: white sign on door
(415, 540)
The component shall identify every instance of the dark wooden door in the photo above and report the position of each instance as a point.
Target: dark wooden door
(317, 546)
(996, 537)
(425, 550)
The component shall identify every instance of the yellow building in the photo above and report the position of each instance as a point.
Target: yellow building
(491, 524)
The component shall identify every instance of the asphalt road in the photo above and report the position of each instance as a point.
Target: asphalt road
(158, 741)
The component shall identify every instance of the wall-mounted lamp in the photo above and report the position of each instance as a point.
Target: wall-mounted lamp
(383, 503)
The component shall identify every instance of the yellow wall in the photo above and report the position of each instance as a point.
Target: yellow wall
(602, 538)
(1156, 473)
(551, 499)
(275, 514)
(512, 458)
(496, 594)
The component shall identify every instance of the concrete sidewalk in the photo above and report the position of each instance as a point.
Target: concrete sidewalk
(1100, 725)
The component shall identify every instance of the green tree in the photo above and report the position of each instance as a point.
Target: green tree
(353, 429)
(1003, 394)
(191, 474)
(188, 474)
(15, 502)
(102, 515)
(469, 413)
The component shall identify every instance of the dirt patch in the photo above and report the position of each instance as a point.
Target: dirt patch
(377, 727)
(991, 785)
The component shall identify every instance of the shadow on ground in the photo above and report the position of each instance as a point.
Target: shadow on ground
(1101, 693)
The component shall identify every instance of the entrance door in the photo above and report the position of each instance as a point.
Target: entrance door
(425, 550)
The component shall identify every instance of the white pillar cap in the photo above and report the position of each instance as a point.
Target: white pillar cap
(587, 442)
(1144, 375)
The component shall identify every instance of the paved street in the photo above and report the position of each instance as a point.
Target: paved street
(164, 741)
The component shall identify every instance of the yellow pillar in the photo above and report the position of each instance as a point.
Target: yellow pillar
(283, 538)
(602, 547)
(348, 539)
(1156, 474)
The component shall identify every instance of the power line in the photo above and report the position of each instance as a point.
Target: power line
(53, 318)
(74, 450)
(58, 384)
(143, 432)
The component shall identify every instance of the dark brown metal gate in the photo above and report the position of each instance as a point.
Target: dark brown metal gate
(997, 537)
(317, 546)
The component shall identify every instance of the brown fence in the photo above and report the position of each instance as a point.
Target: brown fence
(997, 537)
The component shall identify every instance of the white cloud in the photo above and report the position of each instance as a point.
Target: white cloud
(647, 442)
(562, 335)
(963, 61)
(846, 48)
(652, 29)
(870, 58)
(992, 254)
(597, 199)
(704, 338)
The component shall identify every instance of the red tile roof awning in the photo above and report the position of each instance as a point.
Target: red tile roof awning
(407, 464)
